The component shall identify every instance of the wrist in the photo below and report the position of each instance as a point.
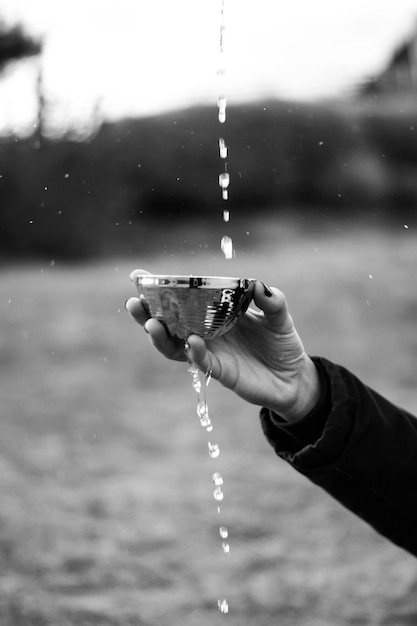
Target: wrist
(307, 395)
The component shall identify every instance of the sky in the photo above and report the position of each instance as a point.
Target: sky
(118, 58)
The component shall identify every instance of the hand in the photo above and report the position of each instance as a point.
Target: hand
(261, 359)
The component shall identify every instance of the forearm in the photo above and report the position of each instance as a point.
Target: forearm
(359, 448)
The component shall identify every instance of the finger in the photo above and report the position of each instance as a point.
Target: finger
(133, 275)
(273, 303)
(169, 346)
(138, 310)
(201, 356)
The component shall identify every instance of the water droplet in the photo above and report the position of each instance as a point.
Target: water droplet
(226, 547)
(226, 215)
(218, 494)
(224, 180)
(227, 247)
(223, 605)
(224, 533)
(214, 450)
(202, 412)
(197, 385)
(217, 478)
(222, 29)
(222, 148)
(222, 109)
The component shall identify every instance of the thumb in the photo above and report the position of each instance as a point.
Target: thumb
(273, 303)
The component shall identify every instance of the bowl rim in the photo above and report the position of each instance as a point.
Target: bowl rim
(191, 282)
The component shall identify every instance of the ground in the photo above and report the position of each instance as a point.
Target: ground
(107, 515)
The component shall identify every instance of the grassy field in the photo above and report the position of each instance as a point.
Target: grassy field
(107, 515)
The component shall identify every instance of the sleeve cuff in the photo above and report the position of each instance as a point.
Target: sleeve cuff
(314, 439)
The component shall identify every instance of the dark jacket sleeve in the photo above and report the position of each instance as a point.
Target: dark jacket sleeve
(360, 448)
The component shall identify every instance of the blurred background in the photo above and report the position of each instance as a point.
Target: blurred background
(109, 160)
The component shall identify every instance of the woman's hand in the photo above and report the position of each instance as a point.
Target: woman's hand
(261, 358)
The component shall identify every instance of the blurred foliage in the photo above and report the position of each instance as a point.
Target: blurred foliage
(16, 44)
(76, 198)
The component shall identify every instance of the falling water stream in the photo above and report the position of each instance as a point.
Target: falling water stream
(200, 387)
(224, 176)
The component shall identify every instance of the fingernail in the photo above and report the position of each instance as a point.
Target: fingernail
(267, 291)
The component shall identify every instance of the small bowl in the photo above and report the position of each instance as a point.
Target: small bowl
(208, 306)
